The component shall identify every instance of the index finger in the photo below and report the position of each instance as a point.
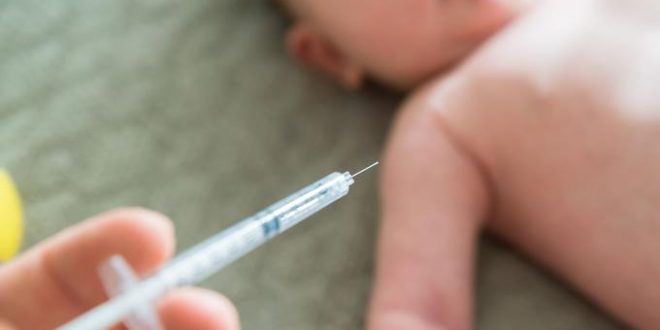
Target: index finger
(58, 278)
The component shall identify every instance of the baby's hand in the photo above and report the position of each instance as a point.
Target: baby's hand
(57, 280)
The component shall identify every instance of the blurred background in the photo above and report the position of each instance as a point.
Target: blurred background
(192, 108)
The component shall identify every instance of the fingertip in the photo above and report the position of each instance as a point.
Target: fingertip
(149, 232)
(144, 238)
(195, 308)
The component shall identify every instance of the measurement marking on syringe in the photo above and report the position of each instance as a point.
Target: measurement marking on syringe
(271, 227)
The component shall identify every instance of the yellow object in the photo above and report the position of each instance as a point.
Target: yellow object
(11, 218)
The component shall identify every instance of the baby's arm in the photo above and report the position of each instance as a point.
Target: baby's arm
(433, 203)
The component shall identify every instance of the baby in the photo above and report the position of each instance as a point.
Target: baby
(546, 134)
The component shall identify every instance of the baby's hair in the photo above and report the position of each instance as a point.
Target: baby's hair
(283, 7)
(279, 4)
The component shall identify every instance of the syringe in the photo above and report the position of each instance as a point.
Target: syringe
(208, 257)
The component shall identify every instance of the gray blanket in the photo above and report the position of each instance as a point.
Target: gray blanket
(191, 108)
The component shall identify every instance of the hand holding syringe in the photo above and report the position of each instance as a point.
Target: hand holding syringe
(135, 298)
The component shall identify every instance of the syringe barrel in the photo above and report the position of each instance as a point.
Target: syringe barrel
(218, 251)
(231, 244)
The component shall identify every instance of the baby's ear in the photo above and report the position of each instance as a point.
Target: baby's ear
(310, 48)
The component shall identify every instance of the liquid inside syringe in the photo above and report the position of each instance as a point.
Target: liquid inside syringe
(214, 254)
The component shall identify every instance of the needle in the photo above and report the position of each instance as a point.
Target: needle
(365, 169)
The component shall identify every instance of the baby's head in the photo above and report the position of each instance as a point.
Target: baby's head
(397, 42)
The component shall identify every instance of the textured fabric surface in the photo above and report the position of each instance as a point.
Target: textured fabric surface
(191, 108)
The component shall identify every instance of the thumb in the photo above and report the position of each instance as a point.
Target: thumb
(433, 201)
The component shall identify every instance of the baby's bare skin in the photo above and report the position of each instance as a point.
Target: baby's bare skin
(549, 137)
